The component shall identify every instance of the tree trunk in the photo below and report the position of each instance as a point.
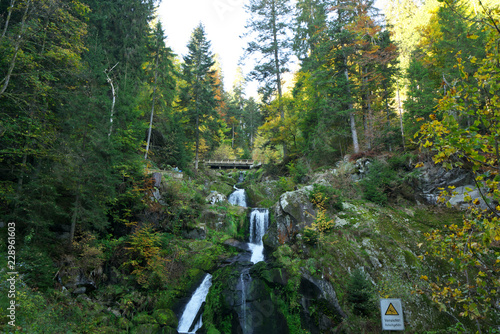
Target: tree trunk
(16, 51)
(153, 106)
(75, 217)
(354, 132)
(401, 119)
(232, 138)
(197, 142)
(11, 7)
(110, 81)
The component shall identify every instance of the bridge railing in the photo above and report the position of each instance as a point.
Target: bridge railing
(229, 161)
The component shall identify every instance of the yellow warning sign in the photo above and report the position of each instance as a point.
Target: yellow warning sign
(391, 310)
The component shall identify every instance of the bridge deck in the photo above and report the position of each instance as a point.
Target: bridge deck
(227, 163)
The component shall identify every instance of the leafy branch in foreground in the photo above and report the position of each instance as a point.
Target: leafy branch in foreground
(464, 133)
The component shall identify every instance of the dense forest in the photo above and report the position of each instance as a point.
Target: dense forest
(93, 101)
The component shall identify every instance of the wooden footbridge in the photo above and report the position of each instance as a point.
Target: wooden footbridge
(228, 163)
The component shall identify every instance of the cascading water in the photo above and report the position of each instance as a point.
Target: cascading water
(238, 197)
(259, 222)
(193, 306)
(244, 277)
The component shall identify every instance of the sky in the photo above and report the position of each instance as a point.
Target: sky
(224, 22)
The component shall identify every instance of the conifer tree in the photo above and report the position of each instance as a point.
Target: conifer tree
(270, 24)
(199, 95)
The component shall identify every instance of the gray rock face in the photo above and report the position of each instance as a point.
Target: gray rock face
(157, 179)
(196, 233)
(212, 218)
(292, 213)
(244, 296)
(319, 292)
(459, 199)
(361, 168)
(216, 197)
(434, 176)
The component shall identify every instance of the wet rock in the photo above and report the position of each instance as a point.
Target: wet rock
(241, 297)
(272, 274)
(237, 244)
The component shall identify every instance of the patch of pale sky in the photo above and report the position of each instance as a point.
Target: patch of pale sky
(224, 22)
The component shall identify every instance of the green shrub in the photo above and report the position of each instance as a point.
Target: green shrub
(298, 172)
(379, 181)
(286, 184)
(401, 161)
(37, 267)
(360, 294)
(331, 197)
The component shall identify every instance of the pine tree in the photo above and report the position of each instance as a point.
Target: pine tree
(161, 70)
(270, 24)
(199, 95)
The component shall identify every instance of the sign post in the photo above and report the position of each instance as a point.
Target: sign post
(392, 315)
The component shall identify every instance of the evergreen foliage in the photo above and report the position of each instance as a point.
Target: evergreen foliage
(198, 96)
(360, 294)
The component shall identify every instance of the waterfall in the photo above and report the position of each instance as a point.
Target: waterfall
(243, 302)
(238, 197)
(241, 178)
(259, 222)
(244, 321)
(193, 306)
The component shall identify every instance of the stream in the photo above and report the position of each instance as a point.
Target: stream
(190, 320)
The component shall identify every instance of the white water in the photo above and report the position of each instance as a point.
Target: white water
(193, 306)
(259, 222)
(243, 301)
(238, 197)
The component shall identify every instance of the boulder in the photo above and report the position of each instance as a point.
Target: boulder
(157, 179)
(196, 233)
(292, 213)
(361, 168)
(237, 244)
(215, 197)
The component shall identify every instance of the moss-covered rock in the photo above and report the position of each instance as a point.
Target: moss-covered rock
(147, 329)
(143, 318)
(263, 195)
(291, 214)
(239, 299)
(166, 317)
